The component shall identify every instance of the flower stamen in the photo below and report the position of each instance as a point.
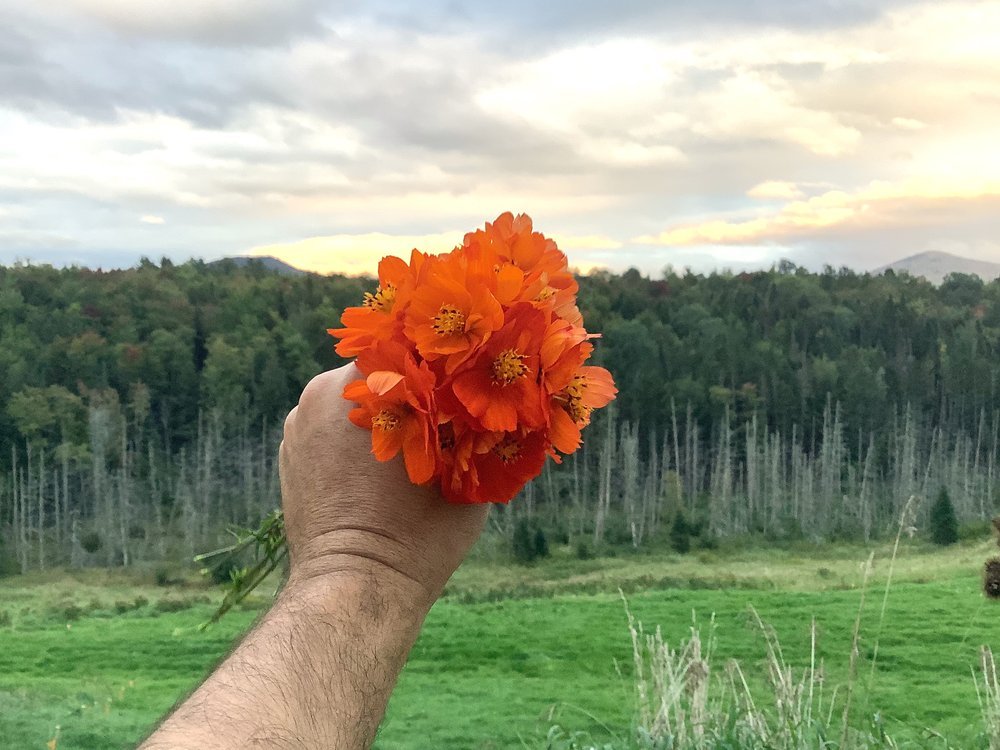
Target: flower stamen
(547, 293)
(578, 411)
(507, 450)
(508, 367)
(386, 420)
(577, 386)
(449, 320)
(382, 300)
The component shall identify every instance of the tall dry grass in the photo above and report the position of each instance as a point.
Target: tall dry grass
(794, 710)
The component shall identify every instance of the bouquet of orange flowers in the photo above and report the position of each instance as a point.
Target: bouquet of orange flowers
(474, 369)
(474, 362)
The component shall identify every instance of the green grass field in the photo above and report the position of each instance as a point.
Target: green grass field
(94, 660)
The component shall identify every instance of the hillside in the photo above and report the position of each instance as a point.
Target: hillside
(935, 266)
(783, 402)
(267, 261)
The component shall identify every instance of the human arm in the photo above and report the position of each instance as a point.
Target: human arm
(370, 553)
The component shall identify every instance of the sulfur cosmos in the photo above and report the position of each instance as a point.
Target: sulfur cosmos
(474, 362)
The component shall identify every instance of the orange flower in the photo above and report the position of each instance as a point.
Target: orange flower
(449, 318)
(526, 265)
(500, 464)
(456, 440)
(474, 362)
(396, 402)
(514, 242)
(500, 387)
(378, 318)
(590, 388)
(564, 350)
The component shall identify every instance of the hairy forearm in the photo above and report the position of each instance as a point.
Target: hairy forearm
(316, 672)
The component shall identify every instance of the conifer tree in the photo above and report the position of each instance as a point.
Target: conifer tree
(680, 534)
(944, 524)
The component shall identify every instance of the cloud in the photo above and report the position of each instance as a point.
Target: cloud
(582, 243)
(150, 219)
(354, 254)
(727, 125)
(878, 205)
(907, 123)
(360, 253)
(775, 189)
(523, 23)
(212, 22)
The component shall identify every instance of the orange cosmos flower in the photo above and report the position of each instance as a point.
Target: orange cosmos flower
(448, 317)
(500, 387)
(565, 348)
(378, 318)
(456, 441)
(474, 362)
(499, 465)
(526, 265)
(396, 402)
(590, 388)
(514, 241)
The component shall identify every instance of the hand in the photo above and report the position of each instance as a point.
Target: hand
(370, 553)
(348, 514)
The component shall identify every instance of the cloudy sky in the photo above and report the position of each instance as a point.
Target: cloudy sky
(718, 133)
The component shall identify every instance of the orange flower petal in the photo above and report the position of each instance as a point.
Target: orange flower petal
(381, 382)
(563, 431)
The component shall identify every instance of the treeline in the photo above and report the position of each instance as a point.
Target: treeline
(140, 409)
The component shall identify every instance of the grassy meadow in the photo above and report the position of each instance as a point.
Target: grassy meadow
(92, 660)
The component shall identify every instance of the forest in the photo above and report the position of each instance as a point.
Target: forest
(140, 409)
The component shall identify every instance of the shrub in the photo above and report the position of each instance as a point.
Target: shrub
(583, 551)
(541, 544)
(68, 611)
(91, 542)
(944, 524)
(680, 534)
(5, 619)
(523, 544)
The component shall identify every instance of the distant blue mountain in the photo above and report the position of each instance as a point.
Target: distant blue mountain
(935, 266)
(268, 261)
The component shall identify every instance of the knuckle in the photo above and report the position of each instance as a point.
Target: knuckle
(290, 421)
(316, 389)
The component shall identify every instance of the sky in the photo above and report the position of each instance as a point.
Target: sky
(646, 133)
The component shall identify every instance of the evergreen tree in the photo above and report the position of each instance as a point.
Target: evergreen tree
(680, 534)
(541, 544)
(944, 524)
(523, 543)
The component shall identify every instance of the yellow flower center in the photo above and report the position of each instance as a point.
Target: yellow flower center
(578, 411)
(449, 320)
(546, 293)
(507, 450)
(508, 367)
(577, 386)
(386, 420)
(382, 300)
(574, 393)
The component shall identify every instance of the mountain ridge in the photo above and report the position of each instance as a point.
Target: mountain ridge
(268, 261)
(936, 265)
